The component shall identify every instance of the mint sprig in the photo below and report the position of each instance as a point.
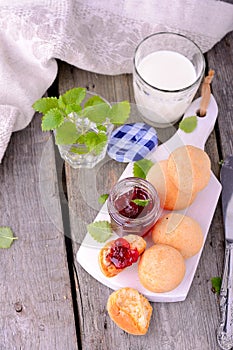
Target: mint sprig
(119, 112)
(100, 231)
(43, 105)
(83, 126)
(52, 119)
(73, 96)
(66, 134)
(6, 237)
(188, 124)
(103, 197)
(141, 202)
(141, 168)
(97, 113)
(216, 284)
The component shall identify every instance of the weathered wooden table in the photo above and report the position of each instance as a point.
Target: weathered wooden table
(47, 300)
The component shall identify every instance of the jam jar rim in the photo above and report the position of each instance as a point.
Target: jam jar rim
(155, 212)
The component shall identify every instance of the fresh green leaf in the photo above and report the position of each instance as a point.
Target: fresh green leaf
(73, 108)
(44, 104)
(102, 128)
(141, 168)
(79, 150)
(188, 124)
(102, 198)
(81, 139)
(79, 146)
(95, 142)
(61, 104)
(141, 202)
(100, 230)
(75, 95)
(119, 112)
(94, 100)
(66, 134)
(6, 237)
(216, 284)
(97, 113)
(52, 119)
(221, 162)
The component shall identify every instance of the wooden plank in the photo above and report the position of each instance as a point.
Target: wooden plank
(188, 325)
(220, 58)
(35, 296)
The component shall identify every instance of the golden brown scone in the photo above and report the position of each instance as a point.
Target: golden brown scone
(130, 310)
(161, 268)
(171, 198)
(189, 168)
(106, 266)
(180, 232)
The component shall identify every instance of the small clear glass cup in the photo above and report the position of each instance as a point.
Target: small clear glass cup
(123, 220)
(82, 159)
(163, 107)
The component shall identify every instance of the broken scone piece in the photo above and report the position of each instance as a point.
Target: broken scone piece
(116, 255)
(130, 310)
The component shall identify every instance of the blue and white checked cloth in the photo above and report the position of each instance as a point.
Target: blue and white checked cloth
(132, 142)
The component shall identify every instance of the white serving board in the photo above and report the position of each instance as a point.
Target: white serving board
(201, 210)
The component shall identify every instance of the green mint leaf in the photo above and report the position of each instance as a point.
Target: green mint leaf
(52, 119)
(216, 284)
(141, 168)
(79, 150)
(119, 112)
(75, 95)
(66, 134)
(100, 230)
(95, 142)
(61, 104)
(6, 237)
(102, 198)
(73, 108)
(141, 202)
(97, 113)
(81, 139)
(44, 104)
(94, 100)
(221, 162)
(188, 124)
(102, 128)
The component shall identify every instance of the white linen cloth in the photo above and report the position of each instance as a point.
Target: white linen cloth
(95, 35)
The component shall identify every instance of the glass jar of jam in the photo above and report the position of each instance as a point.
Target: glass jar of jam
(133, 206)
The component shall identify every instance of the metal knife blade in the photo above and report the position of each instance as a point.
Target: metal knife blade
(225, 329)
(226, 177)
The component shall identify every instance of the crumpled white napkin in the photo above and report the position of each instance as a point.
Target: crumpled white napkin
(98, 36)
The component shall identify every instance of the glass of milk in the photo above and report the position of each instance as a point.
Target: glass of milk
(168, 69)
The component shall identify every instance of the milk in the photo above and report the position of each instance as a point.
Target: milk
(169, 71)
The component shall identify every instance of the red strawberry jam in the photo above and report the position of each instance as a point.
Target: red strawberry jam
(129, 209)
(127, 214)
(121, 255)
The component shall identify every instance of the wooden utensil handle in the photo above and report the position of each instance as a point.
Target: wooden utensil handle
(205, 93)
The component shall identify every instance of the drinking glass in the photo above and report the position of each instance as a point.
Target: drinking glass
(162, 107)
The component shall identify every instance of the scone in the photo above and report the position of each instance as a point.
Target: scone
(116, 255)
(130, 310)
(161, 268)
(171, 198)
(189, 168)
(179, 231)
